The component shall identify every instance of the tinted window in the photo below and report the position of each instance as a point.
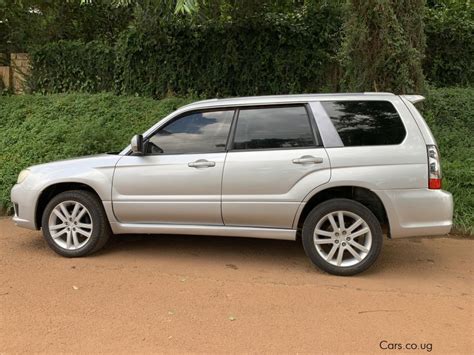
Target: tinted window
(199, 132)
(277, 127)
(366, 122)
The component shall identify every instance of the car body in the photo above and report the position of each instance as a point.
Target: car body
(223, 173)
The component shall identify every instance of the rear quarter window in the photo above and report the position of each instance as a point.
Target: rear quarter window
(362, 123)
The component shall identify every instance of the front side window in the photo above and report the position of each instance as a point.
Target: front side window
(366, 122)
(197, 132)
(273, 127)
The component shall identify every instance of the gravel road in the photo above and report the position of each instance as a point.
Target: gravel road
(208, 294)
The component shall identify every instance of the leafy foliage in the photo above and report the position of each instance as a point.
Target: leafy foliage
(450, 115)
(25, 23)
(35, 129)
(383, 46)
(450, 44)
(72, 66)
(272, 54)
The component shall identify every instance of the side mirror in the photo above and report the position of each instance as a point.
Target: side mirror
(137, 144)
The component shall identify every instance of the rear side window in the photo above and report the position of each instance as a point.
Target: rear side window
(366, 122)
(273, 128)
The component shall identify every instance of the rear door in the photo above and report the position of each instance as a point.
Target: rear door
(274, 160)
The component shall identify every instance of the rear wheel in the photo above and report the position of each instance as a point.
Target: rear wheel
(342, 237)
(74, 224)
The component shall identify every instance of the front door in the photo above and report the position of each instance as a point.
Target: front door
(179, 178)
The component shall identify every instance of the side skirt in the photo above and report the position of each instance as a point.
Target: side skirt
(224, 231)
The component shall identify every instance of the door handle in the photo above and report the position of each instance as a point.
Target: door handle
(308, 159)
(202, 163)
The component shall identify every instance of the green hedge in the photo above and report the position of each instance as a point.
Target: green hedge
(450, 115)
(72, 66)
(270, 54)
(36, 129)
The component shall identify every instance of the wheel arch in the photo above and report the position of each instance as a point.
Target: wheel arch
(53, 190)
(363, 195)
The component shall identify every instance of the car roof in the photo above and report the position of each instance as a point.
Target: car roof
(282, 99)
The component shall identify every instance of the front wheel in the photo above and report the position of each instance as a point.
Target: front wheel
(74, 224)
(342, 237)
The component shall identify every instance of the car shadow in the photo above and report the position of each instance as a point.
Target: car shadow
(206, 246)
(410, 256)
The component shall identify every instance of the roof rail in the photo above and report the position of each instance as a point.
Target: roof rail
(199, 102)
(377, 93)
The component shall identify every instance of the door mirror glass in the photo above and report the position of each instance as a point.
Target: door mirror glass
(137, 144)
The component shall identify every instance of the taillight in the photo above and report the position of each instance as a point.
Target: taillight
(434, 168)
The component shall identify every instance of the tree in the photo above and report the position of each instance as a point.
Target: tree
(384, 46)
(450, 42)
(215, 8)
(178, 6)
(31, 22)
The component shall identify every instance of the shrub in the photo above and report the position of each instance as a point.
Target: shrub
(271, 54)
(450, 44)
(36, 129)
(450, 115)
(72, 66)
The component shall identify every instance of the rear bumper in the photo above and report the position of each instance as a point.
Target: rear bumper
(418, 212)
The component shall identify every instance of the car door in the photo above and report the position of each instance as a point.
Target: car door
(179, 178)
(276, 159)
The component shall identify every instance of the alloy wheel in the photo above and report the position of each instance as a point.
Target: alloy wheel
(70, 225)
(342, 238)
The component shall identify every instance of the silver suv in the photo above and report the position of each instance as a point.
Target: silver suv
(336, 170)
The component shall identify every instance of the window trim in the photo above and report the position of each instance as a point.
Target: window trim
(314, 126)
(317, 142)
(188, 113)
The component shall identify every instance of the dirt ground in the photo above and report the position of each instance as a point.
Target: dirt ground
(209, 294)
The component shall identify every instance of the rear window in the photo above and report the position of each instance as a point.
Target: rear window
(366, 122)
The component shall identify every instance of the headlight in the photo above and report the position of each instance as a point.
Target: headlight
(22, 176)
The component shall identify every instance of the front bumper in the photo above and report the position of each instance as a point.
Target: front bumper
(418, 212)
(25, 205)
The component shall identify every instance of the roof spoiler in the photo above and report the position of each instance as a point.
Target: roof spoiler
(414, 98)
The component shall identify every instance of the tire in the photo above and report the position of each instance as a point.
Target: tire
(69, 230)
(323, 243)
